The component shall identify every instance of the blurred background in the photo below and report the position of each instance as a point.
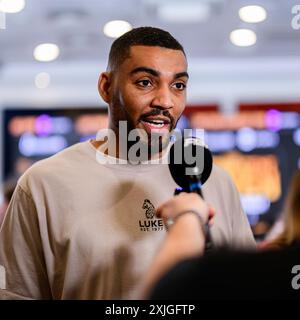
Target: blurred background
(244, 88)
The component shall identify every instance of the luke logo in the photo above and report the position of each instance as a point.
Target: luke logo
(150, 210)
(2, 278)
(150, 224)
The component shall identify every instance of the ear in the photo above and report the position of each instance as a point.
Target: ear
(104, 86)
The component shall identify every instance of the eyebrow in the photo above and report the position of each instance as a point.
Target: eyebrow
(156, 73)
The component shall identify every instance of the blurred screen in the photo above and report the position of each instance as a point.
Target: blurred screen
(32, 134)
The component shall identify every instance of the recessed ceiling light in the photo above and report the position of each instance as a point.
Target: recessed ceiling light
(42, 80)
(253, 14)
(46, 52)
(116, 28)
(184, 12)
(243, 37)
(12, 6)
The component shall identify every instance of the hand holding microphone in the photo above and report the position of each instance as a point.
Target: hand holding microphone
(186, 204)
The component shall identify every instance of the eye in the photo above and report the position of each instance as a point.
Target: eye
(144, 83)
(179, 86)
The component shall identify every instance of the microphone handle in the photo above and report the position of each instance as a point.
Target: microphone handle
(208, 238)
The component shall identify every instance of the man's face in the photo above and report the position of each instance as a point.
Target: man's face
(149, 89)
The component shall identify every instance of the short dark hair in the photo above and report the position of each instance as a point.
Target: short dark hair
(142, 36)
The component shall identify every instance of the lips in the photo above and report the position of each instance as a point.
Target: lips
(153, 123)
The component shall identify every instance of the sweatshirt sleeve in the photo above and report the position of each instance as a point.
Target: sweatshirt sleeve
(23, 270)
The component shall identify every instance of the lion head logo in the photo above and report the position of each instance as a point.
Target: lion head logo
(150, 209)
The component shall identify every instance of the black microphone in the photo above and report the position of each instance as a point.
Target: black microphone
(190, 164)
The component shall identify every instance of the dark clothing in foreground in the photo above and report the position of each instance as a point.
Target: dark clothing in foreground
(234, 275)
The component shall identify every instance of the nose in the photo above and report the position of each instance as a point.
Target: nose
(163, 98)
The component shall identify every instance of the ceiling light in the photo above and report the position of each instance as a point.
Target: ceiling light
(243, 37)
(42, 80)
(253, 14)
(184, 12)
(12, 6)
(116, 28)
(46, 52)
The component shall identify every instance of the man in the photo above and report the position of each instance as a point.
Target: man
(81, 226)
(180, 271)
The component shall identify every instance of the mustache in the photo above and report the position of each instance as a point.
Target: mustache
(157, 112)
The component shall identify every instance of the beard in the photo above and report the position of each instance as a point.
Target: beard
(146, 146)
(157, 141)
(151, 143)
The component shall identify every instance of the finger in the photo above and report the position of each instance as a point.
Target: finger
(211, 212)
(162, 209)
(182, 194)
(211, 215)
(158, 211)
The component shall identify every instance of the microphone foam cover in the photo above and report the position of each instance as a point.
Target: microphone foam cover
(197, 151)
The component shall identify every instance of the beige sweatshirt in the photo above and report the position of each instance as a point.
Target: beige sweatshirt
(77, 229)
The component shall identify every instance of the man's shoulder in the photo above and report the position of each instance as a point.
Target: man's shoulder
(220, 182)
(69, 159)
(69, 155)
(219, 174)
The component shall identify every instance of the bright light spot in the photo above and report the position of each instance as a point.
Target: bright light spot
(220, 141)
(255, 204)
(43, 125)
(12, 6)
(46, 52)
(267, 139)
(246, 139)
(243, 37)
(1, 197)
(182, 123)
(42, 80)
(296, 137)
(290, 120)
(2, 20)
(273, 120)
(62, 125)
(184, 12)
(30, 145)
(253, 14)
(46, 125)
(116, 28)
